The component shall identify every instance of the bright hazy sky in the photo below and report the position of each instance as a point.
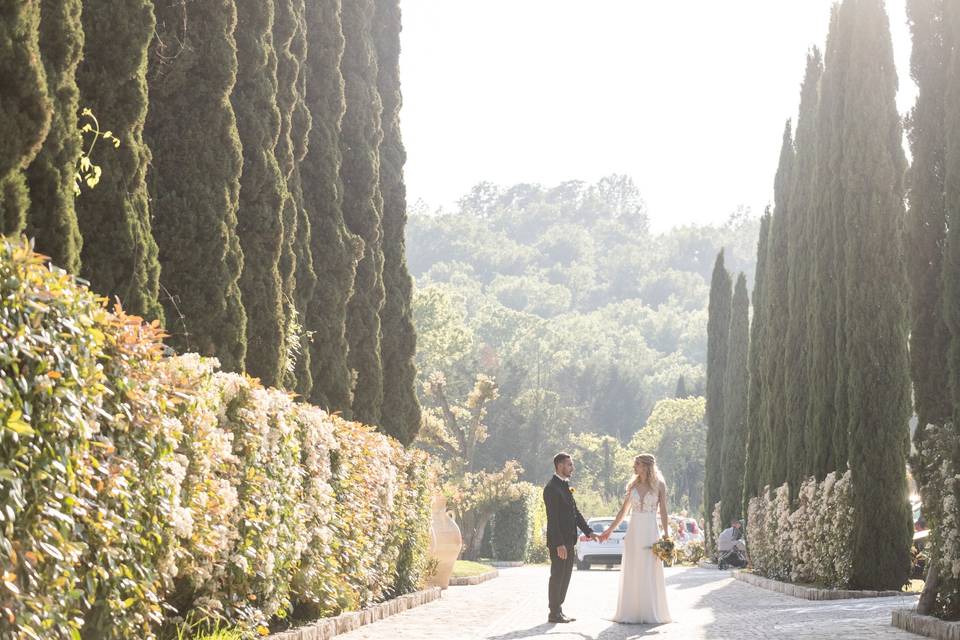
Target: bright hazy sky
(689, 98)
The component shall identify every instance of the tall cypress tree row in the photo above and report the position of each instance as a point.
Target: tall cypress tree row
(119, 256)
(52, 218)
(774, 472)
(827, 435)
(399, 344)
(800, 283)
(360, 138)
(335, 250)
(878, 386)
(195, 178)
(25, 116)
(735, 397)
(925, 229)
(262, 190)
(718, 333)
(756, 411)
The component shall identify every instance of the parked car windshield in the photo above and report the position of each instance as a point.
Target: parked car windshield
(599, 526)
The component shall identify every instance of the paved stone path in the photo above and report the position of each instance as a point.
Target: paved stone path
(705, 603)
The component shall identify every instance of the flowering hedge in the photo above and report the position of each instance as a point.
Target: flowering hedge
(936, 467)
(810, 543)
(140, 491)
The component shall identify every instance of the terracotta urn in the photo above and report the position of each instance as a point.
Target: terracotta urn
(445, 543)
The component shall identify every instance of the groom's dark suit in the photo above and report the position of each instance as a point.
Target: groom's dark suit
(563, 518)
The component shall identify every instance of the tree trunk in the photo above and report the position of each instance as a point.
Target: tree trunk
(928, 599)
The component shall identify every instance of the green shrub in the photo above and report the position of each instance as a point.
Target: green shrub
(511, 529)
(537, 551)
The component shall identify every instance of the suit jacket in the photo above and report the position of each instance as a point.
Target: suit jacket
(563, 517)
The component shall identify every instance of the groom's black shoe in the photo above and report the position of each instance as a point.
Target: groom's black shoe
(559, 619)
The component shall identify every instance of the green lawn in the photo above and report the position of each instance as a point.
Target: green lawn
(465, 569)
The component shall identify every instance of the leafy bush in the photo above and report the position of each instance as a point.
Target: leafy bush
(537, 551)
(511, 529)
(134, 486)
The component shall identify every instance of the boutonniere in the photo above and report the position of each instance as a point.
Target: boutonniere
(572, 490)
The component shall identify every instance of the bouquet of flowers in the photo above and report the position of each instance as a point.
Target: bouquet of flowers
(666, 550)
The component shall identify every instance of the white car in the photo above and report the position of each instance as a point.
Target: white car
(610, 552)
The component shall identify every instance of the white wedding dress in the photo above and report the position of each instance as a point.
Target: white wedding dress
(643, 595)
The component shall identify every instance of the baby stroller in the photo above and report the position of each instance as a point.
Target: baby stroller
(731, 549)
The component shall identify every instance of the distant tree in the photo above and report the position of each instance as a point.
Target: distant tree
(756, 446)
(774, 469)
(718, 334)
(455, 432)
(735, 397)
(681, 390)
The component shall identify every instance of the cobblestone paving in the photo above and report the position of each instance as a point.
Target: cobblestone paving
(704, 603)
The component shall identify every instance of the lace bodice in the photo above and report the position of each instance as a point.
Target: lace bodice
(647, 503)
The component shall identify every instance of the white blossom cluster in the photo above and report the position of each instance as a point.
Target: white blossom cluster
(809, 544)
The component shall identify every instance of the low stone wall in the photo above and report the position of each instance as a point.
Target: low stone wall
(327, 628)
(473, 580)
(910, 620)
(809, 593)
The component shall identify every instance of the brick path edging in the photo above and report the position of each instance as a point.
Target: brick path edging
(474, 580)
(326, 628)
(810, 593)
(910, 620)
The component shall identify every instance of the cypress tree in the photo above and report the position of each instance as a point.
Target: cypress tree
(718, 333)
(26, 110)
(51, 177)
(925, 229)
(296, 260)
(827, 435)
(335, 250)
(399, 343)
(681, 390)
(878, 386)
(925, 238)
(360, 138)
(799, 286)
(735, 398)
(195, 179)
(262, 190)
(774, 471)
(756, 412)
(119, 256)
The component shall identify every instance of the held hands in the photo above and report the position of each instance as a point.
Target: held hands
(603, 537)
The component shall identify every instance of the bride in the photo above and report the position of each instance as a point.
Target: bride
(643, 596)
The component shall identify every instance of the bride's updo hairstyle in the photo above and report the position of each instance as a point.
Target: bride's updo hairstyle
(649, 477)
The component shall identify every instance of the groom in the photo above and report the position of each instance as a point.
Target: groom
(563, 518)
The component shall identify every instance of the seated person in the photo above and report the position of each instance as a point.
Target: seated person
(730, 544)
